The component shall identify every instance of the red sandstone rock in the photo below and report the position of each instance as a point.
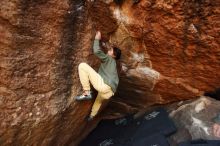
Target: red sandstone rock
(170, 53)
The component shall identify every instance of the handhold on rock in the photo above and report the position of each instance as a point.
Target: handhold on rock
(135, 1)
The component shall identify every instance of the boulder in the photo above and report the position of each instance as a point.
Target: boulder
(194, 119)
(170, 53)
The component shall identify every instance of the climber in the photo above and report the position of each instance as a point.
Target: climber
(105, 81)
(216, 126)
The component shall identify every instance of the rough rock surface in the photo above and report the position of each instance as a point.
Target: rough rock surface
(194, 121)
(170, 52)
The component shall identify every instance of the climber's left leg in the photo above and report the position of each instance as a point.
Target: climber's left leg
(101, 99)
(86, 75)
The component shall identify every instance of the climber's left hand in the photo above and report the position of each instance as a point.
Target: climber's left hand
(98, 35)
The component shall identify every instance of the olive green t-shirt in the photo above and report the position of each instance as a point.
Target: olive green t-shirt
(108, 67)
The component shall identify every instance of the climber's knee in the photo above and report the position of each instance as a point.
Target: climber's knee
(82, 65)
(107, 95)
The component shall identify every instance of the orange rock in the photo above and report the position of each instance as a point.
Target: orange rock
(170, 53)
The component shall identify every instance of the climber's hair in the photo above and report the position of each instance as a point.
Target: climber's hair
(117, 53)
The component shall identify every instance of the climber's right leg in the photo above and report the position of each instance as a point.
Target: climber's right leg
(87, 74)
(101, 100)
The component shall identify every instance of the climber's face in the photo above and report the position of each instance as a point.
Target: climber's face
(111, 53)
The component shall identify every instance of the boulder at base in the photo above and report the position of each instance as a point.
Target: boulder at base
(194, 120)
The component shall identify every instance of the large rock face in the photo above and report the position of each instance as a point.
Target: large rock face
(170, 52)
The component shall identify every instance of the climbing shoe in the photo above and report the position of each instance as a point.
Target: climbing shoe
(84, 97)
(90, 118)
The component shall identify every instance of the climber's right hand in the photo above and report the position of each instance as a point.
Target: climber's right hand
(98, 35)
